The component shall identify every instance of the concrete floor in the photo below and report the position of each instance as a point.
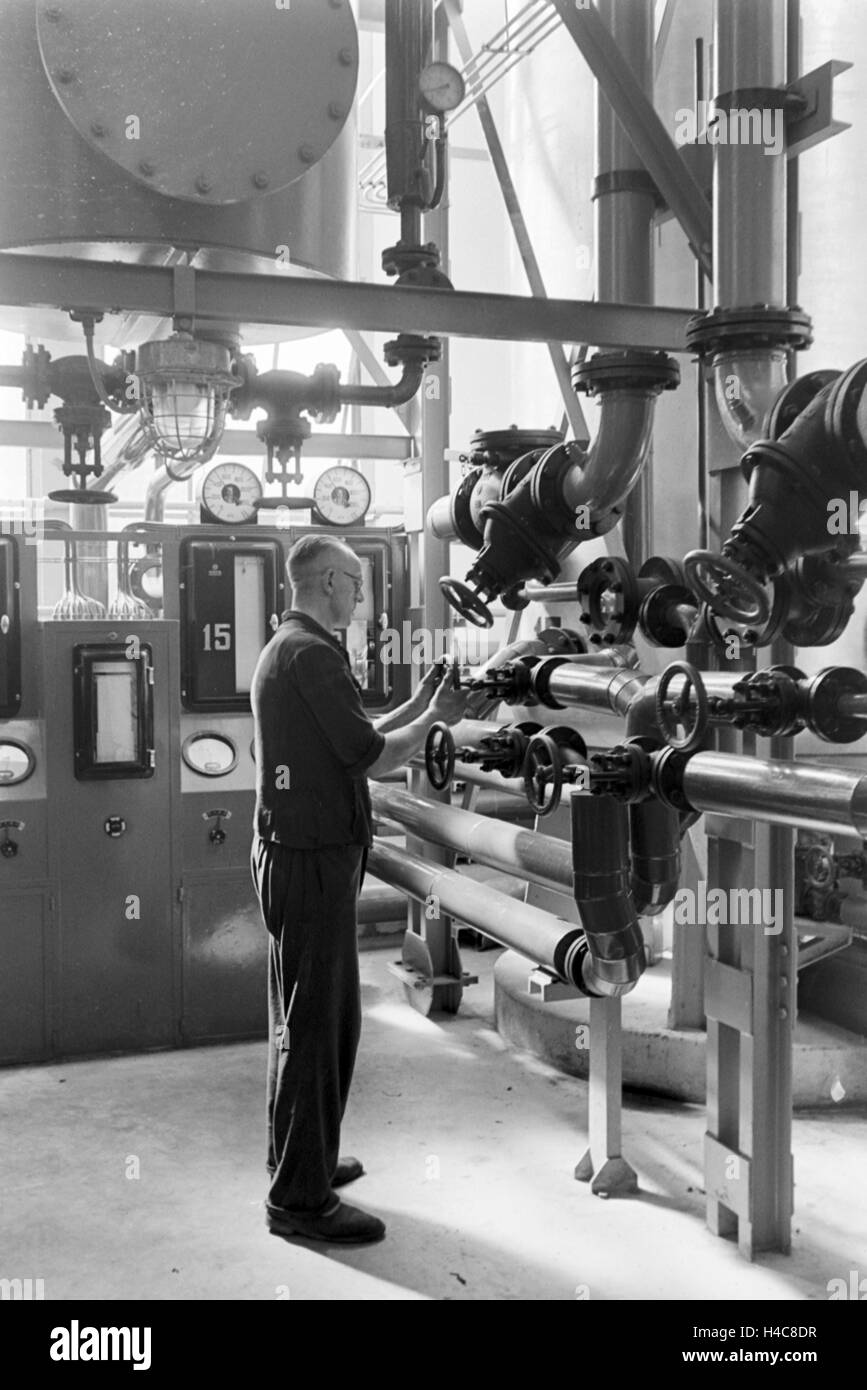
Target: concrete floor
(469, 1147)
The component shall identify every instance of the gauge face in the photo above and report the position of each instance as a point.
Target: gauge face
(441, 86)
(342, 495)
(230, 493)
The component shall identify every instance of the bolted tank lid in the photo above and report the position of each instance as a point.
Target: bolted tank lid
(212, 100)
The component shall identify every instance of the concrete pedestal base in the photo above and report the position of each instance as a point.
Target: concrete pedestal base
(830, 1064)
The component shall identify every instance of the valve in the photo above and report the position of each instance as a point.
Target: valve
(623, 772)
(466, 601)
(543, 775)
(217, 834)
(672, 713)
(439, 756)
(8, 846)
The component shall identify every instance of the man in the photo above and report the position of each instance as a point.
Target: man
(315, 747)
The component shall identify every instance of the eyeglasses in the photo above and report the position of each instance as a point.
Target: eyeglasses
(359, 583)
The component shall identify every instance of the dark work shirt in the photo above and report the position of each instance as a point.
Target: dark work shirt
(314, 740)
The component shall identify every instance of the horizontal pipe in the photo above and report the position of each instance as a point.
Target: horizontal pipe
(538, 935)
(509, 848)
(809, 796)
(566, 591)
(304, 302)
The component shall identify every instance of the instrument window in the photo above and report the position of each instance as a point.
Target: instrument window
(17, 762)
(210, 754)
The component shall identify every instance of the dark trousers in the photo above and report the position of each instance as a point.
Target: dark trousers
(308, 899)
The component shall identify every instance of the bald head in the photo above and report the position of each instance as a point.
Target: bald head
(312, 555)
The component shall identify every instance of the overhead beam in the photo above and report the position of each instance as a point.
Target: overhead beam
(43, 434)
(643, 126)
(115, 287)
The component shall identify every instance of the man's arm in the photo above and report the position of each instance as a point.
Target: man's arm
(447, 706)
(415, 706)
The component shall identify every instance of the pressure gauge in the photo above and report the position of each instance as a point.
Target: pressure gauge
(441, 86)
(229, 494)
(342, 495)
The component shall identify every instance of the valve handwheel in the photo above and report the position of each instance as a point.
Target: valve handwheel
(439, 756)
(672, 712)
(515, 744)
(731, 590)
(543, 774)
(466, 602)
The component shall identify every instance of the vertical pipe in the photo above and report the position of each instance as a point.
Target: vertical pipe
(749, 186)
(408, 47)
(624, 220)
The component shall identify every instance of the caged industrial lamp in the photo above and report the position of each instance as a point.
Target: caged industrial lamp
(184, 384)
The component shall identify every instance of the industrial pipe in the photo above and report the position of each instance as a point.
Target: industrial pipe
(808, 796)
(524, 853)
(600, 859)
(746, 341)
(573, 493)
(548, 940)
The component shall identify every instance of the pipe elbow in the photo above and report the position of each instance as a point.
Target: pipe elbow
(600, 859)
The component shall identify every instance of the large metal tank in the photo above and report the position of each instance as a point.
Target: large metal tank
(180, 129)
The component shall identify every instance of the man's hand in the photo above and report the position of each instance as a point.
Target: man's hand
(429, 684)
(449, 700)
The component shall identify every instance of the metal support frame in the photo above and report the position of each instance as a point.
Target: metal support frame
(42, 434)
(602, 1164)
(642, 125)
(46, 281)
(574, 413)
(430, 944)
(750, 976)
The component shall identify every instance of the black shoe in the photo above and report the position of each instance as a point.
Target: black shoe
(343, 1225)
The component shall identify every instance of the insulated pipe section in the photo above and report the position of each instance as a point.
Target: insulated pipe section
(808, 796)
(600, 859)
(543, 938)
(746, 341)
(524, 853)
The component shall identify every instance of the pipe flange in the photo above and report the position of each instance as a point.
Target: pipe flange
(751, 326)
(608, 595)
(546, 489)
(499, 448)
(540, 675)
(794, 399)
(655, 615)
(845, 419)
(667, 768)
(512, 599)
(412, 349)
(824, 693)
(461, 513)
(576, 961)
(633, 369)
(661, 567)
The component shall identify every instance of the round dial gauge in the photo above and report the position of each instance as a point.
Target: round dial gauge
(230, 493)
(342, 495)
(441, 86)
